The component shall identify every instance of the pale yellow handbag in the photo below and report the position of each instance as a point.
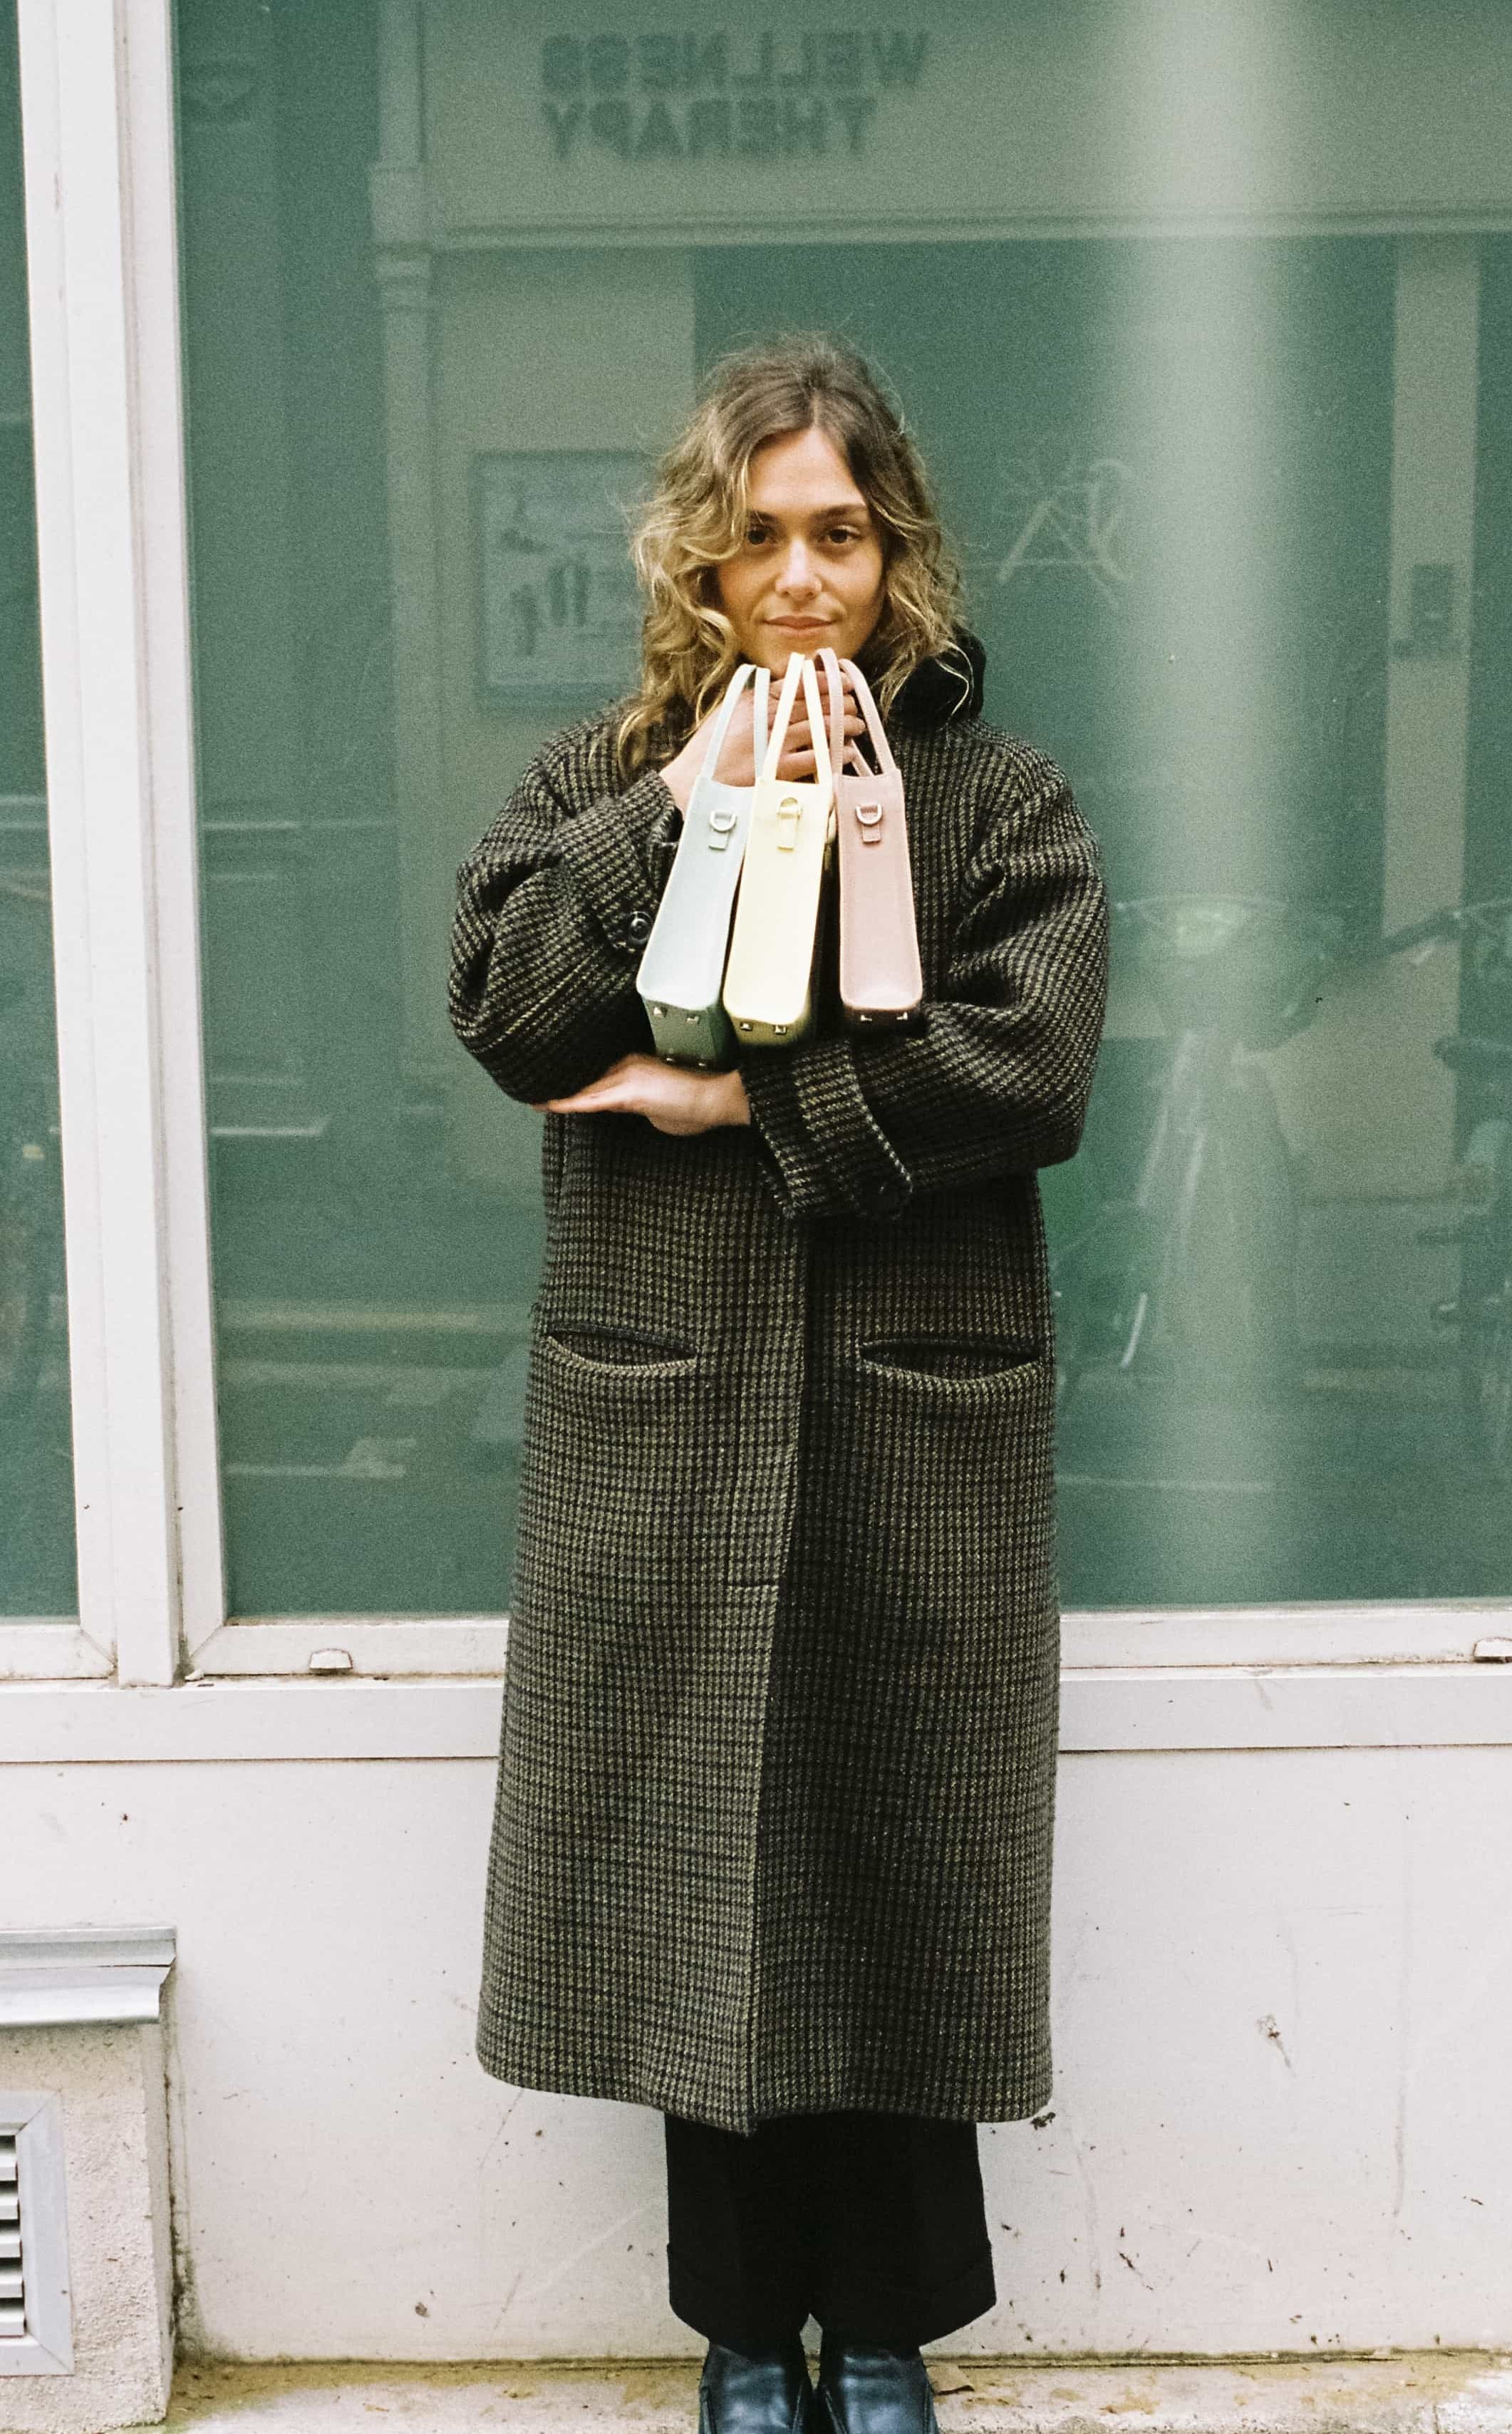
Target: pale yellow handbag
(769, 979)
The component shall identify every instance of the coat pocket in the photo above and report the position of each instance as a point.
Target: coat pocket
(929, 1360)
(619, 1499)
(622, 1353)
(936, 1511)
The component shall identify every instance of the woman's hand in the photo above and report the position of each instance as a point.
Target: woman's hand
(737, 762)
(674, 1098)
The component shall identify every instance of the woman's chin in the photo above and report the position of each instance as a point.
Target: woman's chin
(773, 651)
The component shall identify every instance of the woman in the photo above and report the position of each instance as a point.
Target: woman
(771, 1846)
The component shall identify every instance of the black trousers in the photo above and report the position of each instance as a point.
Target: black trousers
(872, 2222)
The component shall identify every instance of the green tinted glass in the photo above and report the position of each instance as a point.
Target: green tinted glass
(36, 1456)
(1219, 419)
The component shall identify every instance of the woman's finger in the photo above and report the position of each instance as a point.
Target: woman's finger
(670, 1096)
(802, 733)
(738, 759)
(608, 1090)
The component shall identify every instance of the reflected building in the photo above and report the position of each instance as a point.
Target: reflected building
(1202, 318)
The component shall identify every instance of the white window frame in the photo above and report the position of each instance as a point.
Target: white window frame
(98, 135)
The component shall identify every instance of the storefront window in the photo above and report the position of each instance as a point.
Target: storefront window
(36, 1457)
(1221, 421)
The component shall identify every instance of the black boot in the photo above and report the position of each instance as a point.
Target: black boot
(874, 2392)
(769, 2394)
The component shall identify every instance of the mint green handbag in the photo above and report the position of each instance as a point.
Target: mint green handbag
(682, 968)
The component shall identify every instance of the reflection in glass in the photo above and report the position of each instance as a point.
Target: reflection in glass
(372, 1288)
(1235, 508)
(37, 1575)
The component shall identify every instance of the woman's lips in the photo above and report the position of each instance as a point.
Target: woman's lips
(799, 625)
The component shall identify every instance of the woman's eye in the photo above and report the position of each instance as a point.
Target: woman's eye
(841, 535)
(755, 536)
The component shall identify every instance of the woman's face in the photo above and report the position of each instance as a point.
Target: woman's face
(810, 571)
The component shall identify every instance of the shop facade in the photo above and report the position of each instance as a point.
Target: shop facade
(338, 341)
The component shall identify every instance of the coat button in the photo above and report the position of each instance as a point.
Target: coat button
(638, 929)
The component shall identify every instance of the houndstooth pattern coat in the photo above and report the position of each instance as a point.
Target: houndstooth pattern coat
(773, 1829)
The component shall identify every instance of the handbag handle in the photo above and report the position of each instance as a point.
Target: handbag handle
(800, 670)
(834, 670)
(726, 711)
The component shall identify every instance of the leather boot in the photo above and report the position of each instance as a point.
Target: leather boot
(874, 2392)
(769, 2394)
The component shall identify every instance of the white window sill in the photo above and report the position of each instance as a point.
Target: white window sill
(418, 1649)
(1223, 1636)
(1104, 1708)
(50, 1648)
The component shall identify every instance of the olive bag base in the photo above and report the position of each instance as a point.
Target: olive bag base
(691, 1035)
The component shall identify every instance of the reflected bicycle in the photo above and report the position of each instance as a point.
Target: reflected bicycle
(1195, 1272)
(29, 1227)
(1481, 1313)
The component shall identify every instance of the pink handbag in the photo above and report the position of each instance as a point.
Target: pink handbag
(881, 983)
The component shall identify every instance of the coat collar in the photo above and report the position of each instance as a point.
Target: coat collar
(941, 690)
(946, 687)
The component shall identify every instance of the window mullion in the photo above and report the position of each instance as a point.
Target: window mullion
(100, 536)
(164, 592)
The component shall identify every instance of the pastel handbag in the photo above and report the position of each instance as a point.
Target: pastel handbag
(881, 983)
(769, 981)
(683, 966)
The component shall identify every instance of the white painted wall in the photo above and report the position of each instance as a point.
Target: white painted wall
(1282, 2120)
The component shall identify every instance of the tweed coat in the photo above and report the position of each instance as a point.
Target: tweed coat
(776, 1794)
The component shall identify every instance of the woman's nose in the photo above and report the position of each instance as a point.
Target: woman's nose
(796, 574)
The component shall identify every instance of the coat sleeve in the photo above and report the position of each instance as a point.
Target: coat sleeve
(553, 911)
(996, 1081)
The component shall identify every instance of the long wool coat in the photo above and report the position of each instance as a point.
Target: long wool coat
(776, 1788)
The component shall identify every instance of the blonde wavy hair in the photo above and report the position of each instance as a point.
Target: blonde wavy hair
(697, 516)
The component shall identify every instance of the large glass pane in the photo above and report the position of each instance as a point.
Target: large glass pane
(1219, 416)
(36, 1455)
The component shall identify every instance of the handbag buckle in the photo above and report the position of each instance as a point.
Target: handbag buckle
(789, 812)
(869, 820)
(723, 822)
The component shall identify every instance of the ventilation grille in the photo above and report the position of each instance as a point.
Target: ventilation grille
(12, 2284)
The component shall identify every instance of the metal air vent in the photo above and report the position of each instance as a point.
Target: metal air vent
(35, 2315)
(12, 2268)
